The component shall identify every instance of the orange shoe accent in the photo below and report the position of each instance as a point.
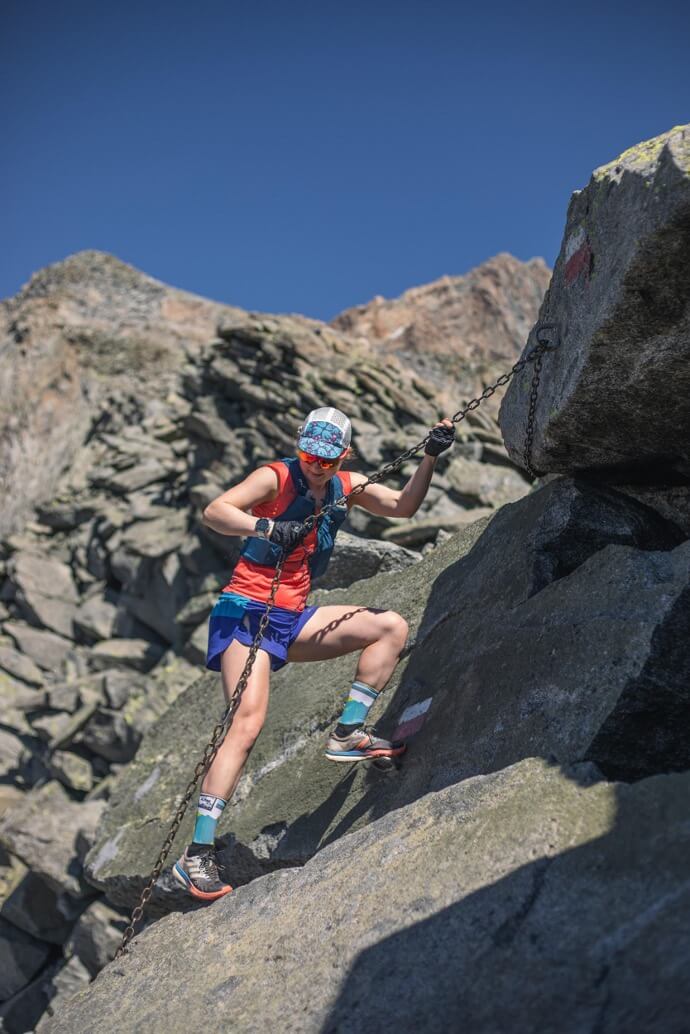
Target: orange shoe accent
(204, 896)
(380, 752)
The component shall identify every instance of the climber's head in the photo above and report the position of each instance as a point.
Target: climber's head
(323, 442)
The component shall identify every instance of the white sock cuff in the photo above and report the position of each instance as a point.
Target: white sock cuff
(210, 805)
(369, 691)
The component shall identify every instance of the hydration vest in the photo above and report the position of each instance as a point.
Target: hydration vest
(294, 504)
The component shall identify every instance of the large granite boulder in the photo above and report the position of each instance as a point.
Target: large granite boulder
(357, 558)
(615, 395)
(537, 898)
(559, 631)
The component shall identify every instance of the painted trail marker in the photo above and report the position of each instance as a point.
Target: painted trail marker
(412, 719)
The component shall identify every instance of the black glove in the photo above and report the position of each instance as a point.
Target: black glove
(288, 534)
(440, 439)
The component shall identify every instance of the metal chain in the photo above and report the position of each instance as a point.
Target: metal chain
(546, 346)
(213, 746)
(221, 730)
(535, 355)
(529, 434)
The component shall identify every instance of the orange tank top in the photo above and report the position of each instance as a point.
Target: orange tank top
(254, 580)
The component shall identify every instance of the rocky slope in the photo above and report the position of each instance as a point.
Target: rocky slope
(459, 332)
(529, 857)
(127, 405)
(521, 643)
(85, 336)
(539, 898)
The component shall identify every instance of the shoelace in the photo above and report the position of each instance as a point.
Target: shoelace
(371, 733)
(208, 867)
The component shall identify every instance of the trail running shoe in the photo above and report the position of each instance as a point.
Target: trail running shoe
(361, 745)
(198, 874)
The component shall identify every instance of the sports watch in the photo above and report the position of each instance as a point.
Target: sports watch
(262, 528)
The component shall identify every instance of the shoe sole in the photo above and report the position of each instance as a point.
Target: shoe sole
(356, 755)
(183, 879)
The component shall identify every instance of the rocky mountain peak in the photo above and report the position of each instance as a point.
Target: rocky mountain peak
(84, 333)
(457, 330)
(89, 268)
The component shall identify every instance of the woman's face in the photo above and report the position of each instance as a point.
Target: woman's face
(316, 475)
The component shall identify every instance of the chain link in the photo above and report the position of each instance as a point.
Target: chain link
(221, 730)
(535, 355)
(213, 746)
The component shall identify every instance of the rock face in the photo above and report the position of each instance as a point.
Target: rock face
(116, 573)
(357, 558)
(615, 394)
(558, 629)
(125, 406)
(76, 331)
(548, 656)
(536, 892)
(459, 332)
(51, 817)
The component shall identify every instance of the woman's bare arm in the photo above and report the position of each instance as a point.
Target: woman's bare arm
(387, 502)
(228, 513)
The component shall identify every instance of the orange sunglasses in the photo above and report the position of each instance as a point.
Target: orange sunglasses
(309, 457)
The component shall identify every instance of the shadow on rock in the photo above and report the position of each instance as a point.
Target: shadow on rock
(591, 939)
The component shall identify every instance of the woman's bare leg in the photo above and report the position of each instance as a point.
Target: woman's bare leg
(223, 775)
(333, 631)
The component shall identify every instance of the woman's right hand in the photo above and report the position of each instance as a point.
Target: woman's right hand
(289, 534)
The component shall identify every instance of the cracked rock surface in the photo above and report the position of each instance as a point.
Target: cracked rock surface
(616, 392)
(539, 891)
(547, 630)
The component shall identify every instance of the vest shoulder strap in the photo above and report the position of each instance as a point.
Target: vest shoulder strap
(287, 491)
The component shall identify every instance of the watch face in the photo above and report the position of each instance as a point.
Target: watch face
(261, 526)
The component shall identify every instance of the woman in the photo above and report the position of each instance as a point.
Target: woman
(281, 495)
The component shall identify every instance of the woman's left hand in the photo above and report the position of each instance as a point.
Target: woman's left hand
(441, 437)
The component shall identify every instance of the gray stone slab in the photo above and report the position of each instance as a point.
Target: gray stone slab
(534, 899)
(51, 834)
(47, 612)
(111, 736)
(615, 396)
(559, 631)
(47, 650)
(356, 558)
(43, 575)
(71, 770)
(97, 935)
(37, 908)
(139, 654)
(20, 666)
(21, 957)
(96, 618)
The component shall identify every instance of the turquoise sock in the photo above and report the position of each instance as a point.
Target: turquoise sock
(208, 812)
(356, 708)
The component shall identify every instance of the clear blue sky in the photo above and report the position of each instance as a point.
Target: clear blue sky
(303, 157)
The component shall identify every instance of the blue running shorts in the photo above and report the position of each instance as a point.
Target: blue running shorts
(237, 617)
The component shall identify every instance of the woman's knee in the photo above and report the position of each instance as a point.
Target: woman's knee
(247, 728)
(394, 627)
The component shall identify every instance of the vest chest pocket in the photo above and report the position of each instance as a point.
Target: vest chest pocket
(298, 508)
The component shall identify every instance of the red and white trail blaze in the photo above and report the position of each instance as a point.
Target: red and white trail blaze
(578, 256)
(412, 719)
